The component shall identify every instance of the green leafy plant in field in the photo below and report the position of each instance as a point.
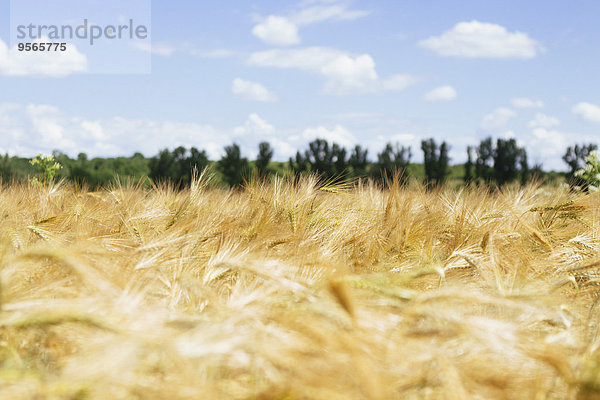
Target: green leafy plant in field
(590, 173)
(46, 167)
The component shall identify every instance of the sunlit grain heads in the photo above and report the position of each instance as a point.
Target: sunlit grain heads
(298, 287)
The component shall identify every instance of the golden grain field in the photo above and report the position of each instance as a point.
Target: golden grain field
(299, 290)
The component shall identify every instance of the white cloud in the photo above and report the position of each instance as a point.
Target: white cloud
(160, 49)
(283, 31)
(215, 53)
(543, 121)
(497, 119)
(403, 139)
(256, 130)
(587, 111)
(248, 90)
(32, 129)
(548, 145)
(43, 119)
(442, 93)
(276, 30)
(344, 73)
(410, 140)
(255, 126)
(398, 82)
(510, 134)
(43, 64)
(525, 102)
(552, 142)
(166, 50)
(338, 134)
(309, 58)
(482, 40)
(38, 128)
(329, 12)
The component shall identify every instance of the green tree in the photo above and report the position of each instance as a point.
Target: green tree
(265, 153)
(536, 172)
(162, 166)
(180, 166)
(483, 161)
(327, 160)
(393, 158)
(136, 166)
(436, 161)
(524, 170)
(469, 166)
(575, 157)
(339, 167)
(233, 166)
(185, 162)
(320, 156)
(79, 170)
(506, 160)
(6, 169)
(429, 148)
(299, 164)
(443, 162)
(198, 159)
(358, 161)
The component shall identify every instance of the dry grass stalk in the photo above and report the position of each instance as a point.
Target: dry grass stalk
(296, 289)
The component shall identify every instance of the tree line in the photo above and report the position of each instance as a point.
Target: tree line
(494, 163)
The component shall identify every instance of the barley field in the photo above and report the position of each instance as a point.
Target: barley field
(299, 289)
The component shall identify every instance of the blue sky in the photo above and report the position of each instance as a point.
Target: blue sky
(291, 71)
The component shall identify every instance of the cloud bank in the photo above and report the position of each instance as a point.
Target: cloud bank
(476, 39)
(54, 64)
(344, 73)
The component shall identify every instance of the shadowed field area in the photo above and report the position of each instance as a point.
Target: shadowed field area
(299, 290)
